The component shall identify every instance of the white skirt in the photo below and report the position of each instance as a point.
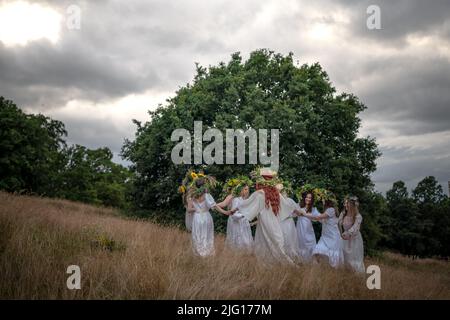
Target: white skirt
(202, 234)
(239, 234)
(330, 245)
(353, 250)
(306, 238)
(290, 239)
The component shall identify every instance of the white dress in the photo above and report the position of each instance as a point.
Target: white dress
(203, 227)
(291, 246)
(353, 248)
(330, 243)
(269, 239)
(306, 236)
(239, 233)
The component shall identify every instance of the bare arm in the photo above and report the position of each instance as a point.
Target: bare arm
(321, 216)
(226, 202)
(225, 212)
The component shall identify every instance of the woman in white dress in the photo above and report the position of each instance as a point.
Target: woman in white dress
(202, 224)
(239, 233)
(305, 231)
(330, 242)
(270, 208)
(349, 224)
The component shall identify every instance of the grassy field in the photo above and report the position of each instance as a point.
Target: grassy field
(122, 258)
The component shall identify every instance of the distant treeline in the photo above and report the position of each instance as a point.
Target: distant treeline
(34, 158)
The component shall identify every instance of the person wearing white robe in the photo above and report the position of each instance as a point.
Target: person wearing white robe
(330, 242)
(202, 224)
(269, 245)
(239, 233)
(305, 231)
(291, 245)
(350, 223)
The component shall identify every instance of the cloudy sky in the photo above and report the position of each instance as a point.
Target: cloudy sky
(129, 56)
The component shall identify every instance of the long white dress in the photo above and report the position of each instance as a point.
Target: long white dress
(291, 246)
(269, 239)
(306, 236)
(203, 227)
(353, 248)
(330, 242)
(239, 233)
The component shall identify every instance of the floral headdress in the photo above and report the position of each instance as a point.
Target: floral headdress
(234, 186)
(265, 177)
(188, 185)
(285, 187)
(353, 199)
(320, 194)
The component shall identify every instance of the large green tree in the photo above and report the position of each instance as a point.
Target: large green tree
(319, 140)
(30, 145)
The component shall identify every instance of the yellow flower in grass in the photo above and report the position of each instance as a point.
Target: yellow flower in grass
(194, 175)
(182, 189)
(201, 175)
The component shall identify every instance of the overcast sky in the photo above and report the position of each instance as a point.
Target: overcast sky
(129, 56)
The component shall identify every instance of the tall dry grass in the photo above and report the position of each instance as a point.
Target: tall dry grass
(123, 258)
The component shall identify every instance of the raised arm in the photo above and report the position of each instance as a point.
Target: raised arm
(211, 203)
(252, 206)
(226, 202)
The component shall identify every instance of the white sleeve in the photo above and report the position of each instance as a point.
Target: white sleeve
(330, 212)
(252, 206)
(210, 202)
(315, 212)
(356, 226)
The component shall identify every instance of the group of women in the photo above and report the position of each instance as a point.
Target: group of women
(278, 237)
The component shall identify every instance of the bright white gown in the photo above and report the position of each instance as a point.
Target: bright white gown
(239, 233)
(291, 246)
(203, 227)
(353, 248)
(306, 236)
(269, 239)
(330, 242)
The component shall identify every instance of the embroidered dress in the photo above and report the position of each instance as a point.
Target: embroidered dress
(353, 248)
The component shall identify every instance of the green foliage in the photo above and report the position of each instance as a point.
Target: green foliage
(91, 176)
(418, 225)
(30, 158)
(318, 128)
(34, 158)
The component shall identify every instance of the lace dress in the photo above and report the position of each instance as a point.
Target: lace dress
(353, 248)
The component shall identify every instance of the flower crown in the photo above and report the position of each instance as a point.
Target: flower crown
(320, 194)
(235, 185)
(189, 186)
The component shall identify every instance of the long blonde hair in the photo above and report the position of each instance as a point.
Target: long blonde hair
(353, 208)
